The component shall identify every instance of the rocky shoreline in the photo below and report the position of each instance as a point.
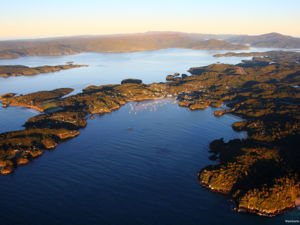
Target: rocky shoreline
(245, 209)
(260, 172)
(240, 209)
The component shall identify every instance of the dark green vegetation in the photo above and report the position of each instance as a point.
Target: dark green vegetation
(261, 172)
(132, 81)
(18, 70)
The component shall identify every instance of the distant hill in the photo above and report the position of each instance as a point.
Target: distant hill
(141, 42)
(111, 43)
(271, 40)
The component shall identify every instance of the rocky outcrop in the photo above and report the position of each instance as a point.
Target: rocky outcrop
(219, 113)
(7, 169)
(199, 105)
(7, 95)
(170, 77)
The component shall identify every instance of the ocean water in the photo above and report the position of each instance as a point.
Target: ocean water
(111, 174)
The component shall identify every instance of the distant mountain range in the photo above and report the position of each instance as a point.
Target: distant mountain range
(271, 40)
(141, 42)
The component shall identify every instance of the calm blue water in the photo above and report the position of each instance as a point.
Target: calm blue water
(112, 175)
(108, 68)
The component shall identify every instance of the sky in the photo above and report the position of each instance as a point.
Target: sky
(48, 18)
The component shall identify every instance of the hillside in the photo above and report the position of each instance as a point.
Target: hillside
(141, 42)
(110, 43)
(271, 40)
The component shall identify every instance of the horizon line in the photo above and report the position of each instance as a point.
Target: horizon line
(28, 38)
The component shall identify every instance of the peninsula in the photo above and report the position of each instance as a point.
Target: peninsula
(19, 70)
(260, 172)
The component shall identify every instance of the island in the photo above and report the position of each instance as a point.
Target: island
(19, 70)
(260, 172)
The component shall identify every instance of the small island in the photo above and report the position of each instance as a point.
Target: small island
(260, 172)
(19, 70)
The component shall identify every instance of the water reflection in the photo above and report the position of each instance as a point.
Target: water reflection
(148, 105)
